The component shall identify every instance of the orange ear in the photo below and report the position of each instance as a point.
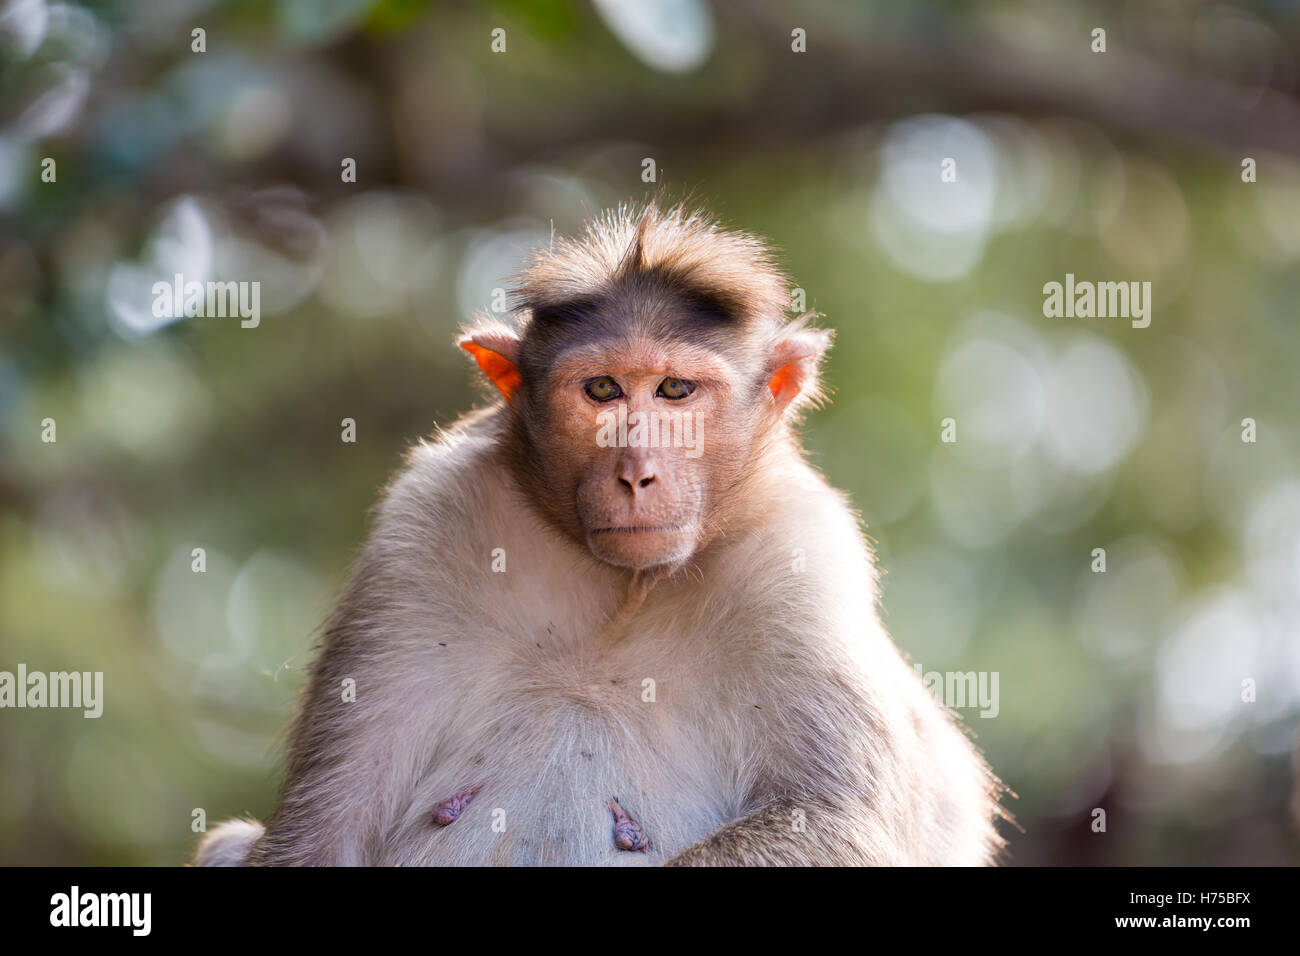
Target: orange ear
(794, 360)
(499, 369)
(786, 383)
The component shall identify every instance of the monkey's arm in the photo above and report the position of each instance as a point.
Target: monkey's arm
(793, 832)
(382, 692)
(318, 819)
(348, 772)
(826, 791)
(859, 775)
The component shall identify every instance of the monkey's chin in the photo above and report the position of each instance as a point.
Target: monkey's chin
(642, 547)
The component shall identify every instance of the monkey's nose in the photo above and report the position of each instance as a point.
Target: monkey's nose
(635, 475)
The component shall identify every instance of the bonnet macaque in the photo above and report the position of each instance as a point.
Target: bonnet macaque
(616, 618)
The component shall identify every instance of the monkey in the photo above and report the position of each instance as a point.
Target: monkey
(614, 616)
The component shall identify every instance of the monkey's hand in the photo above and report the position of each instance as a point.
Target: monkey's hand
(788, 832)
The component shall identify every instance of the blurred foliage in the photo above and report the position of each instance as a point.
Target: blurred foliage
(1119, 690)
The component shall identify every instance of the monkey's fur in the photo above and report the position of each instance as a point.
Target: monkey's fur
(782, 725)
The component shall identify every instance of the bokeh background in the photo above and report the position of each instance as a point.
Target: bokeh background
(1119, 690)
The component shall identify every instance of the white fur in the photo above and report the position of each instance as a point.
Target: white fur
(770, 683)
(228, 844)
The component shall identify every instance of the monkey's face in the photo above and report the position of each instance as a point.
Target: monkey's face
(646, 438)
(647, 386)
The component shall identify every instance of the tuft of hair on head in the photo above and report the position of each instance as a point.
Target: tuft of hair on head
(728, 272)
(683, 246)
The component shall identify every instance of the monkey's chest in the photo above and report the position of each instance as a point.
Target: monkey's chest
(566, 778)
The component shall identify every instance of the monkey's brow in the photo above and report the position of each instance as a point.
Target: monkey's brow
(567, 310)
(696, 365)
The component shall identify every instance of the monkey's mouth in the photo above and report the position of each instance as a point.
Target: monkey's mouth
(639, 529)
(642, 545)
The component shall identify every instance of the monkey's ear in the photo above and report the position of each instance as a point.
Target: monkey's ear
(794, 361)
(496, 350)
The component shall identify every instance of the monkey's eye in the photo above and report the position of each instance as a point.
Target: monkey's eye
(675, 388)
(603, 389)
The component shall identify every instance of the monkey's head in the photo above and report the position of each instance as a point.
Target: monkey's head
(651, 371)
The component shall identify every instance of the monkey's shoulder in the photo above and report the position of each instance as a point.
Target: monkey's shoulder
(454, 546)
(446, 475)
(806, 547)
(452, 504)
